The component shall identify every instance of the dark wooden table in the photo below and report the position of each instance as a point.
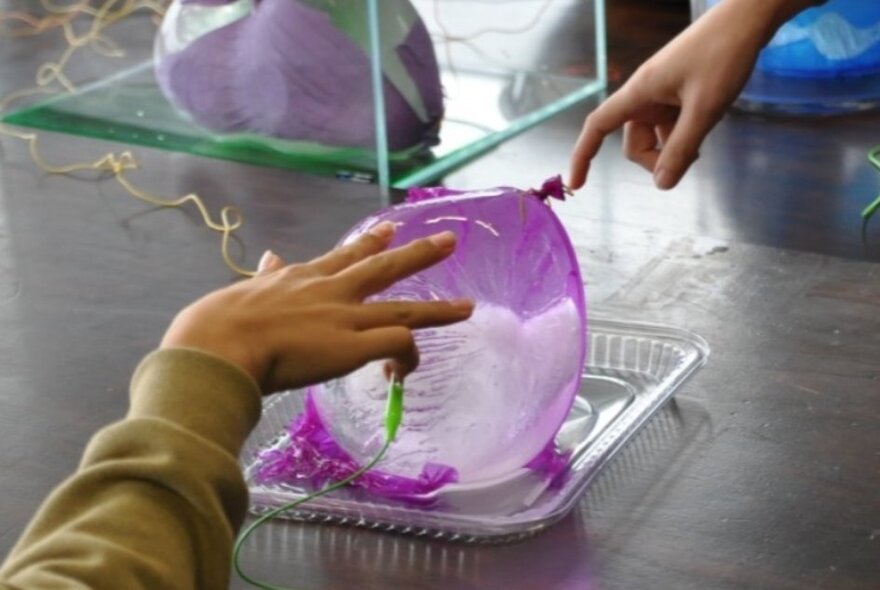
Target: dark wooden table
(764, 472)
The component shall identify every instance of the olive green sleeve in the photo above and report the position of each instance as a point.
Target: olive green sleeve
(158, 497)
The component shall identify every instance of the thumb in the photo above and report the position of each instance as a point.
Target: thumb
(683, 147)
(269, 262)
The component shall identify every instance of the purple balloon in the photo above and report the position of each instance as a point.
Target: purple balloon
(284, 70)
(490, 393)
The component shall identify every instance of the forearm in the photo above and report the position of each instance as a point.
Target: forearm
(158, 497)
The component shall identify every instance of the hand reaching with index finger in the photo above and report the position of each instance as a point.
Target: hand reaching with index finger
(670, 104)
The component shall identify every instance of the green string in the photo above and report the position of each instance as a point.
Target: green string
(869, 211)
(393, 418)
(874, 159)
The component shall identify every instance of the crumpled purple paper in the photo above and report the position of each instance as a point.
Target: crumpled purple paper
(313, 457)
(552, 464)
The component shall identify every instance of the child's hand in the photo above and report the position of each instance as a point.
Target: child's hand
(674, 99)
(296, 325)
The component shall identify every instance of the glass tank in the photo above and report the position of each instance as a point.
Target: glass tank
(396, 92)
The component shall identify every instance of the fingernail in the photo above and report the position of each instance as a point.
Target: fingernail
(463, 305)
(392, 371)
(444, 240)
(663, 179)
(265, 260)
(383, 230)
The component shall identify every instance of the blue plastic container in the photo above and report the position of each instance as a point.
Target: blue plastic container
(824, 61)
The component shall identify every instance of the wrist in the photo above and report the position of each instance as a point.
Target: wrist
(190, 330)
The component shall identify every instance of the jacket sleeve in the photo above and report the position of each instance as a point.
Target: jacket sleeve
(158, 497)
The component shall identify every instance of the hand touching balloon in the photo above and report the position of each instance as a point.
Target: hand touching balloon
(296, 325)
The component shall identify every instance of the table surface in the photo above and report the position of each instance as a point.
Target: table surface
(764, 471)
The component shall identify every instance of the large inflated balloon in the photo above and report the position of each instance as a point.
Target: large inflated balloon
(490, 393)
(299, 70)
